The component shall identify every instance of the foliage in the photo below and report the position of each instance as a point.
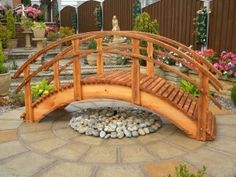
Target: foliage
(136, 10)
(227, 64)
(26, 2)
(182, 171)
(188, 87)
(98, 16)
(144, 23)
(39, 25)
(52, 36)
(2, 68)
(92, 44)
(41, 89)
(26, 23)
(65, 32)
(233, 94)
(74, 21)
(11, 23)
(210, 55)
(5, 35)
(17, 99)
(201, 26)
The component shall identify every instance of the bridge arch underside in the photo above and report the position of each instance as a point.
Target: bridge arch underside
(123, 93)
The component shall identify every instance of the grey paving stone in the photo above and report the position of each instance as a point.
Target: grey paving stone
(226, 130)
(11, 148)
(47, 144)
(13, 115)
(167, 129)
(135, 154)
(218, 164)
(66, 133)
(101, 154)
(151, 138)
(164, 150)
(24, 165)
(35, 127)
(89, 140)
(119, 171)
(226, 119)
(120, 142)
(68, 170)
(36, 136)
(6, 124)
(72, 151)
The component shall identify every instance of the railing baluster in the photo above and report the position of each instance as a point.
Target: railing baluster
(100, 67)
(135, 74)
(77, 71)
(56, 79)
(28, 96)
(203, 108)
(150, 64)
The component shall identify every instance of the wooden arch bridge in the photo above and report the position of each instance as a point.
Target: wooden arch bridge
(188, 113)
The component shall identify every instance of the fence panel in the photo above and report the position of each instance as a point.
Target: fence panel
(222, 31)
(86, 18)
(122, 9)
(67, 16)
(175, 18)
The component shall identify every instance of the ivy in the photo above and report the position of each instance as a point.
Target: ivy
(74, 21)
(98, 16)
(26, 2)
(136, 10)
(201, 26)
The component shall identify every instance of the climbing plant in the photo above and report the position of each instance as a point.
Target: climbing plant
(136, 10)
(98, 16)
(201, 26)
(26, 2)
(74, 21)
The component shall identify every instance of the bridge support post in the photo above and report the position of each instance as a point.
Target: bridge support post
(56, 80)
(135, 74)
(203, 108)
(150, 64)
(100, 67)
(76, 71)
(28, 97)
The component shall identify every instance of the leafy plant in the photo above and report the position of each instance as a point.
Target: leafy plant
(233, 94)
(5, 35)
(92, 44)
(136, 9)
(52, 36)
(41, 89)
(188, 87)
(39, 25)
(182, 171)
(26, 23)
(11, 23)
(17, 99)
(65, 32)
(98, 16)
(144, 23)
(3, 69)
(26, 2)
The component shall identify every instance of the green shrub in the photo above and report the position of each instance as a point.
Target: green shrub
(5, 35)
(233, 94)
(144, 23)
(65, 32)
(52, 36)
(11, 23)
(92, 44)
(26, 2)
(40, 89)
(26, 23)
(39, 25)
(182, 171)
(2, 68)
(188, 87)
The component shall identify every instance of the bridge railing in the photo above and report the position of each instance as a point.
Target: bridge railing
(155, 46)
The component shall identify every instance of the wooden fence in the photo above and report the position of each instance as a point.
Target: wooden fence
(66, 16)
(86, 18)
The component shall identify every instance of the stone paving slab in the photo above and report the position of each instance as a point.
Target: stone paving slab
(9, 135)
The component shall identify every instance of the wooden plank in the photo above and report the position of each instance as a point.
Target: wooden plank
(183, 100)
(56, 79)
(28, 97)
(192, 108)
(163, 89)
(157, 80)
(168, 91)
(158, 86)
(178, 97)
(100, 67)
(77, 71)
(174, 93)
(188, 103)
(147, 83)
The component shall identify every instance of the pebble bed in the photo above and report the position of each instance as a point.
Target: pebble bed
(115, 122)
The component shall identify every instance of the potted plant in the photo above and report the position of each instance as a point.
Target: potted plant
(39, 29)
(12, 28)
(26, 24)
(5, 76)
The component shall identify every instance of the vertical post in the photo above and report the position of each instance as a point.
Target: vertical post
(100, 67)
(203, 108)
(28, 97)
(76, 71)
(150, 64)
(56, 79)
(135, 74)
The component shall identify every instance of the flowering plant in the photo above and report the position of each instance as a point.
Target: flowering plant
(209, 54)
(227, 64)
(30, 12)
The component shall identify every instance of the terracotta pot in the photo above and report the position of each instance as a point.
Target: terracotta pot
(5, 81)
(39, 33)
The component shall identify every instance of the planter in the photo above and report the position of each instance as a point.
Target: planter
(39, 33)
(5, 81)
(12, 43)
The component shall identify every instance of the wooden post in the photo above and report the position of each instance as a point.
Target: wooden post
(28, 97)
(150, 64)
(100, 67)
(135, 74)
(56, 79)
(76, 71)
(203, 108)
